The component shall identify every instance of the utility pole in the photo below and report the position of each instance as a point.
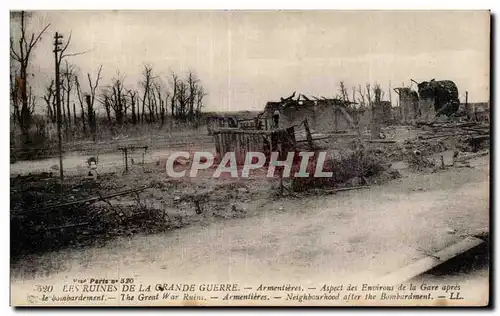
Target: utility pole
(57, 49)
(390, 93)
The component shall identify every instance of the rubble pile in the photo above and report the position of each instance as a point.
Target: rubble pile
(44, 220)
(468, 137)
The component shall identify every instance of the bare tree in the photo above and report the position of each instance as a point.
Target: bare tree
(90, 100)
(133, 98)
(369, 95)
(114, 98)
(343, 92)
(106, 102)
(173, 104)
(22, 54)
(79, 94)
(31, 102)
(377, 91)
(49, 98)
(146, 84)
(199, 101)
(161, 103)
(182, 99)
(361, 97)
(67, 86)
(14, 94)
(163, 109)
(192, 83)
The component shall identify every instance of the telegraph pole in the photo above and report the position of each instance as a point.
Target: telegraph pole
(57, 49)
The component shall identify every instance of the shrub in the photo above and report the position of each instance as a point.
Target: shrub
(358, 164)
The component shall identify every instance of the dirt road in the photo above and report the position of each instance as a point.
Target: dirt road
(353, 236)
(75, 163)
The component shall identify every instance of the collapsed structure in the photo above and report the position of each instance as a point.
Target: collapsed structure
(434, 98)
(443, 95)
(326, 115)
(299, 118)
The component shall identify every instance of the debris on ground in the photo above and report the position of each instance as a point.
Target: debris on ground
(174, 203)
(350, 169)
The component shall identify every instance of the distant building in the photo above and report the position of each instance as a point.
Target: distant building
(479, 111)
(325, 115)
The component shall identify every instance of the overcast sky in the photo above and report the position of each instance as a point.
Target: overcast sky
(245, 59)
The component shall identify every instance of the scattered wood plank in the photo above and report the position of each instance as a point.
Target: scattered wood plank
(455, 125)
(89, 200)
(388, 141)
(319, 138)
(481, 137)
(424, 137)
(66, 226)
(334, 191)
(352, 188)
(470, 156)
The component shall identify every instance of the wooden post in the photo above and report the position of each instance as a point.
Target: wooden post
(126, 161)
(308, 135)
(336, 122)
(375, 121)
(390, 93)
(281, 182)
(58, 101)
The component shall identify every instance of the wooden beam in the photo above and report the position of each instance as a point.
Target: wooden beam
(89, 200)
(388, 141)
(471, 156)
(308, 135)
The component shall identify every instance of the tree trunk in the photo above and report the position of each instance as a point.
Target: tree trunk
(54, 109)
(91, 117)
(143, 105)
(49, 111)
(25, 117)
(74, 113)
(82, 115)
(67, 106)
(132, 99)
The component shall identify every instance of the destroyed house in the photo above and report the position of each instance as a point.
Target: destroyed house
(235, 119)
(323, 115)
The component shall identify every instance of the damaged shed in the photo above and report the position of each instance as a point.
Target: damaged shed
(325, 115)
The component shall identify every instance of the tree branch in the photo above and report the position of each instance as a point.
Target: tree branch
(34, 41)
(74, 54)
(13, 53)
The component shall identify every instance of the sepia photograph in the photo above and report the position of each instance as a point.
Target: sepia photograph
(250, 158)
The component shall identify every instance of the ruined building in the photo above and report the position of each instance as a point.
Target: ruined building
(434, 98)
(442, 94)
(408, 105)
(323, 115)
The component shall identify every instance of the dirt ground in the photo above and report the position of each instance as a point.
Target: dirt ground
(349, 236)
(239, 230)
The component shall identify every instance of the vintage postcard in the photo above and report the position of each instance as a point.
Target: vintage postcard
(250, 158)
